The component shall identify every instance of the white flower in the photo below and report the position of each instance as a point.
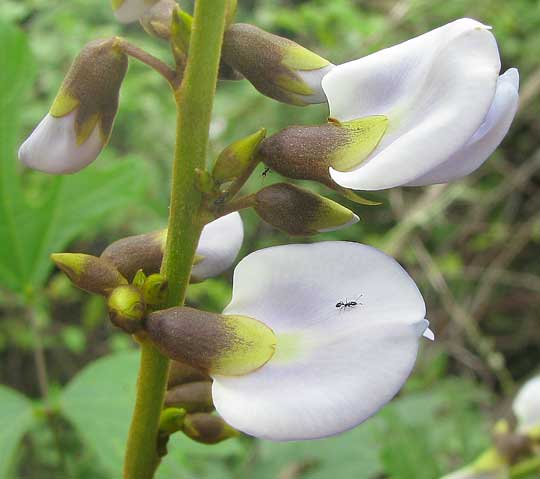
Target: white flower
(347, 319)
(127, 11)
(219, 246)
(526, 405)
(446, 105)
(80, 120)
(53, 146)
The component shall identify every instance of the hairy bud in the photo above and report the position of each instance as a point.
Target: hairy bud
(80, 120)
(156, 21)
(277, 67)
(193, 397)
(137, 252)
(127, 308)
(300, 212)
(220, 344)
(307, 152)
(237, 157)
(127, 11)
(89, 273)
(181, 373)
(207, 429)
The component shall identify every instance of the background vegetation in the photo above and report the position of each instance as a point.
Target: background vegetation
(473, 247)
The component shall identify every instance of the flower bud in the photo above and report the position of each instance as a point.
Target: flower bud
(92, 274)
(300, 212)
(207, 429)
(237, 157)
(171, 420)
(205, 182)
(307, 152)
(127, 308)
(181, 373)
(193, 397)
(277, 67)
(154, 289)
(127, 11)
(137, 252)
(220, 344)
(156, 21)
(181, 23)
(80, 121)
(218, 247)
(139, 279)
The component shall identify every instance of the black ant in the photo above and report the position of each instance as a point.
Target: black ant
(265, 172)
(343, 305)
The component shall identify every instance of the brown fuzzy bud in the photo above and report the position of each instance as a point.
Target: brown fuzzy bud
(181, 373)
(137, 252)
(92, 87)
(308, 152)
(300, 212)
(193, 397)
(92, 274)
(207, 429)
(220, 344)
(277, 67)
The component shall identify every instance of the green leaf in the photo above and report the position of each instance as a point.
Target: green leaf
(99, 402)
(424, 433)
(353, 454)
(16, 416)
(66, 206)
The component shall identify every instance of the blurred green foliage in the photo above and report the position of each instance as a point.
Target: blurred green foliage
(472, 246)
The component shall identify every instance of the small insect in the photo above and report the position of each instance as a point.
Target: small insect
(344, 304)
(265, 172)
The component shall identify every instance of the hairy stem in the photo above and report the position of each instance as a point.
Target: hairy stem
(194, 100)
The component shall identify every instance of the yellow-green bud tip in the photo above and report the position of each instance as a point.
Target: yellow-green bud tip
(218, 344)
(92, 274)
(127, 308)
(171, 420)
(237, 157)
(300, 212)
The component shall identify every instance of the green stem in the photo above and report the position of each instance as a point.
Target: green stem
(526, 468)
(194, 104)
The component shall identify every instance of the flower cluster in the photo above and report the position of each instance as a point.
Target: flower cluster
(317, 337)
